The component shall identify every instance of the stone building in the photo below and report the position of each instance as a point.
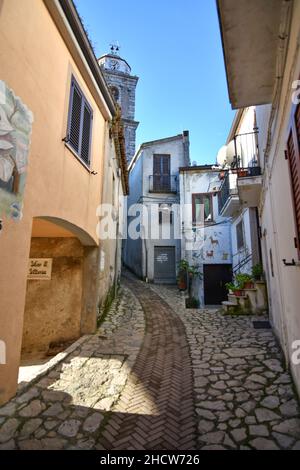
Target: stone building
(154, 188)
(205, 240)
(262, 62)
(240, 160)
(60, 139)
(122, 85)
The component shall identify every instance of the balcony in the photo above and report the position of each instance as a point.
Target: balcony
(163, 184)
(249, 184)
(229, 202)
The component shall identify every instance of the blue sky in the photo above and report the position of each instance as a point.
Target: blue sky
(174, 46)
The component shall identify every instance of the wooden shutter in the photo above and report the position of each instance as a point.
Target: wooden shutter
(80, 123)
(196, 199)
(294, 165)
(75, 118)
(156, 165)
(86, 134)
(166, 164)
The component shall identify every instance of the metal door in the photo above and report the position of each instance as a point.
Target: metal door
(164, 264)
(215, 278)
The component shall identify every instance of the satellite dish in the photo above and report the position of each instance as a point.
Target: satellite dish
(221, 157)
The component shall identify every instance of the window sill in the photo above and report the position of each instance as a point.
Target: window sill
(70, 148)
(206, 224)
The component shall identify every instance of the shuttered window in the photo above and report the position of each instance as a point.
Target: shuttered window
(293, 155)
(205, 201)
(161, 173)
(80, 124)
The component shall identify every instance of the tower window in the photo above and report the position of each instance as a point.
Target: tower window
(115, 93)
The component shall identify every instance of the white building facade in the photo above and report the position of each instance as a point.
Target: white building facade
(268, 79)
(206, 239)
(240, 160)
(153, 209)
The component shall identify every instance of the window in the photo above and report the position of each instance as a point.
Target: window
(205, 200)
(165, 214)
(293, 156)
(161, 173)
(79, 123)
(240, 235)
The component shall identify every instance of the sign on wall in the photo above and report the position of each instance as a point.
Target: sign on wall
(40, 269)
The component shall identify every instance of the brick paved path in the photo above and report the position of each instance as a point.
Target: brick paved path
(158, 397)
(159, 376)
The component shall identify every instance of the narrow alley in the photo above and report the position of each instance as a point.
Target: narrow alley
(159, 376)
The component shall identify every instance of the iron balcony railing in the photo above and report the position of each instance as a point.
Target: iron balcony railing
(163, 184)
(226, 191)
(246, 172)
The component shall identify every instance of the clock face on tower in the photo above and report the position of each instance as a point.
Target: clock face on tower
(114, 64)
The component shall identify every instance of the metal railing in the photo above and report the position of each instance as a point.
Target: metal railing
(226, 192)
(246, 172)
(163, 184)
(242, 263)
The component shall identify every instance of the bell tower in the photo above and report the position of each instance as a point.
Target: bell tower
(122, 84)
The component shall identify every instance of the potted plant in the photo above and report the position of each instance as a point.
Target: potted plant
(244, 280)
(183, 266)
(192, 302)
(230, 287)
(235, 289)
(242, 172)
(257, 272)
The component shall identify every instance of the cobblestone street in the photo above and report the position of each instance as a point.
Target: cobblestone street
(159, 376)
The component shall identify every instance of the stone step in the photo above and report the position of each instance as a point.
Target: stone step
(233, 298)
(229, 307)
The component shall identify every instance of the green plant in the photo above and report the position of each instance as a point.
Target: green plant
(183, 265)
(192, 302)
(257, 271)
(241, 279)
(185, 268)
(230, 286)
(194, 271)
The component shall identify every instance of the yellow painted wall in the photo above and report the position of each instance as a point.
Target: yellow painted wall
(37, 66)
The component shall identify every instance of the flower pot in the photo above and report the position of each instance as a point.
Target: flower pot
(182, 284)
(238, 293)
(242, 173)
(249, 285)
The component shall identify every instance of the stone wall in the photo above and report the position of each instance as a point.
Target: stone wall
(53, 308)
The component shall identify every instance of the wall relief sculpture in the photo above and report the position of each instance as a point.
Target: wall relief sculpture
(15, 131)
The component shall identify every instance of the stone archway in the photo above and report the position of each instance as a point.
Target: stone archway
(62, 297)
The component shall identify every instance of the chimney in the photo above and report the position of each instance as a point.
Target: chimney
(186, 148)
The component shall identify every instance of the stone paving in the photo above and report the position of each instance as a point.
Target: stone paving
(244, 397)
(159, 376)
(68, 407)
